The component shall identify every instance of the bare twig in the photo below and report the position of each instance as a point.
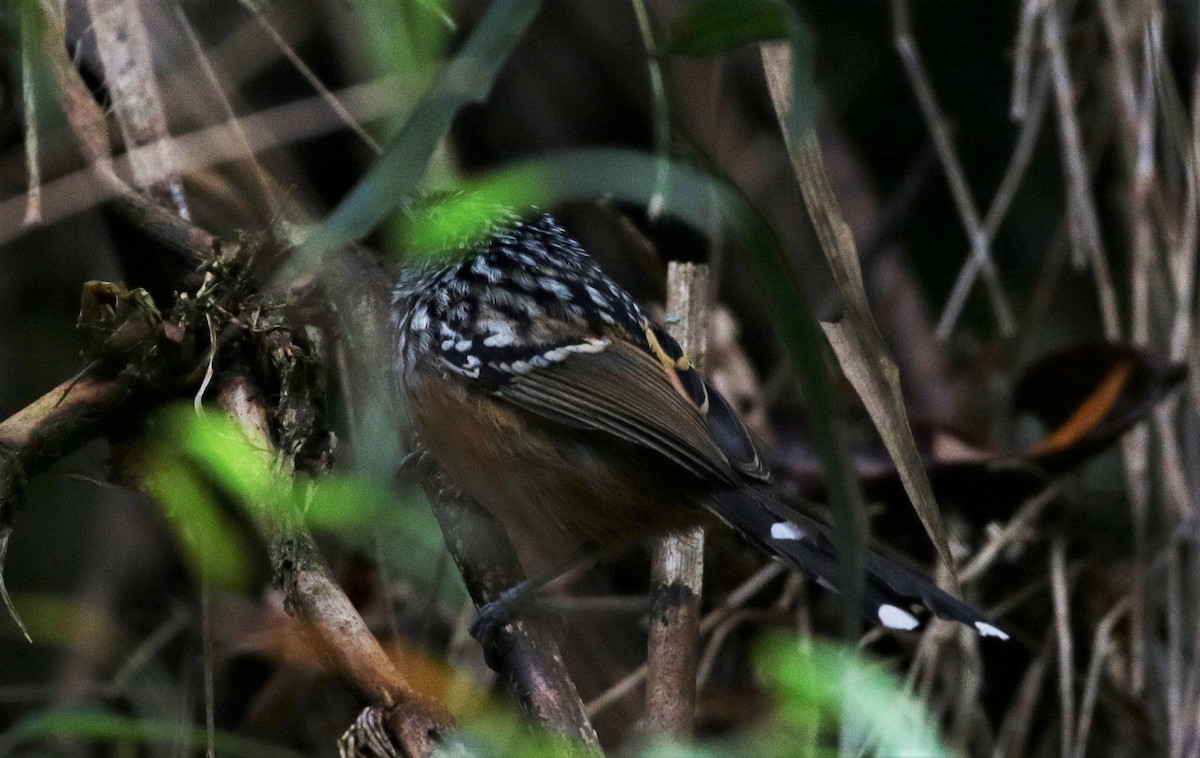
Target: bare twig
(1023, 58)
(935, 122)
(1175, 640)
(662, 120)
(1101, 646)
(1084, 222)
(715, 617)
(1021, 157)
(1066, 656)
(310, 76)
(52, 426)
(124, 47)
(1010, 741)
(1012, 531)
(100, 181)
(29, 100)
(678, 565)
(273, 127)
(1135, 446)
(264, 185)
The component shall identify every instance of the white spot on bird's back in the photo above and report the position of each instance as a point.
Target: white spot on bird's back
(987, 630)
(786, 530)
(420, 319)
(596, 297)
(501, 336)
(555, 287)
(897, 618)
(481, 267)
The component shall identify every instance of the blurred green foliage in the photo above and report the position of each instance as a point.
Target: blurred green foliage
(827, 698)
(710, 27)
(99, 726)
(200, 463)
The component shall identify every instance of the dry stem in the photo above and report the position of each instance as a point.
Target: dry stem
(678, 568)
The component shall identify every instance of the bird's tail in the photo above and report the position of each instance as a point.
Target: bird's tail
(893, 595)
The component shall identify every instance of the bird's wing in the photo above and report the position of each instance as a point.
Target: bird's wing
(624, 391)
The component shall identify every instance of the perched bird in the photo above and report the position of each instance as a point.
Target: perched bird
(551, 398)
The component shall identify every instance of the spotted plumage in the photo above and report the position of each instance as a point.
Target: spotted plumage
(528, 297)
(547, 394)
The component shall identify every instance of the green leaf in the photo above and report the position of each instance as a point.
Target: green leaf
(711, 27)
(406, 35)
(107, 727)
(447, 223)
(208, 538)
(467, 79)
(820, 685)
(204, 457)
(215, 442)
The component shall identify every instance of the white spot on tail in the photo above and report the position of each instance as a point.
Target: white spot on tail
(897, 618)
(786, 530)
(987, 630)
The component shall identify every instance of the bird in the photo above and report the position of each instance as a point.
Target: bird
(548, 395)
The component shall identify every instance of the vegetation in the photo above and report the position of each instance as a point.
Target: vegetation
(212, 539)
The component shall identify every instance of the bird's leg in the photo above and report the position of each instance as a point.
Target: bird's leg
(493, 616)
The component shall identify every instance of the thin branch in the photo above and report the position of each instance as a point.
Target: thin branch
(1101, 647)
(1011, 532)
(1084, 222)
(678, 564)
(59, 422)
(1018, 163)
(335, 104)
(264, 185)
(99, 181)
(1014, 730)
(730, 605)
(29, 100)
(935, 122)
(267, 129)
(661, 116)
(1062, 628)
(1023, 58)
(124, 47)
